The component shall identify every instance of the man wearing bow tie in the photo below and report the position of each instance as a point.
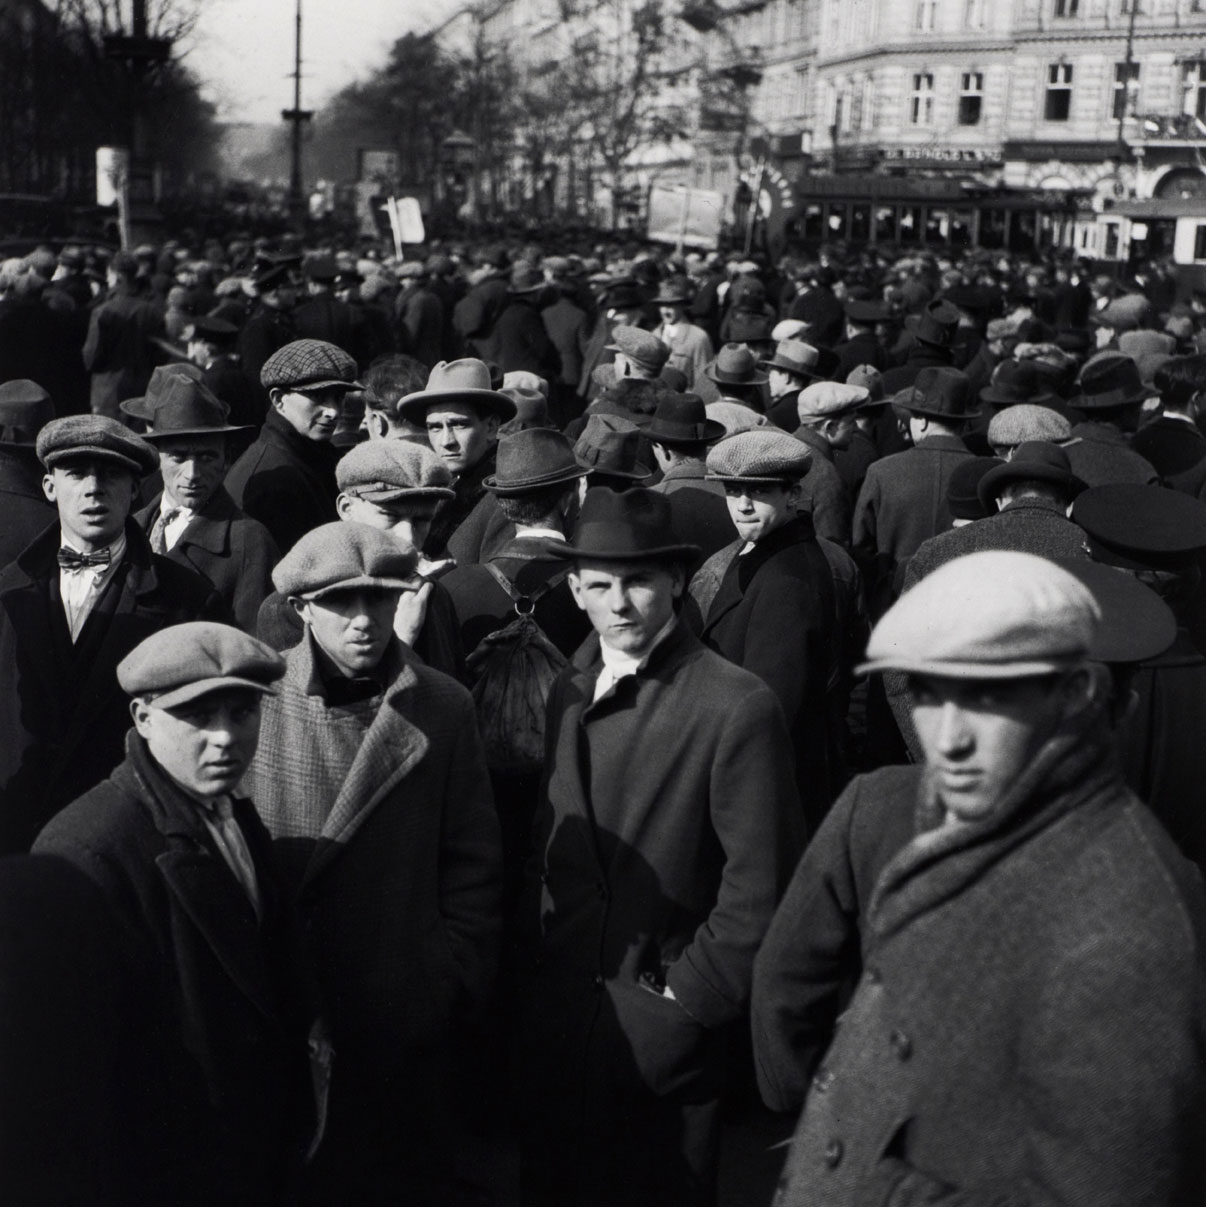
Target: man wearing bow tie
(79, 598)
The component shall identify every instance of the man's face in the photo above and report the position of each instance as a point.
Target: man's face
(980, 735)
(93, 496)
(192, 469)
(407, 521)
(782, 383)
(758, 508)
(672, 314)
(352, 627)
(839, 430)
(627, 603)
(313, 413)
(205, 745)
(198, 352)
(460, 436)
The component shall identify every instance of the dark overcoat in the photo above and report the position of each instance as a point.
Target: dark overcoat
(822, 490)
(667, 827)
(118, 350)
(230, 549)
(699, 514)
(419, 321)
(518, 341)
(215, 1002)
(63, 717)
(23, 503)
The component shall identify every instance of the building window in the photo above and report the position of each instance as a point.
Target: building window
(925, 15)
(1126, 85)
(1194, 81)
(971, 97)
(1059, 93)
(921, 103)
(1067, 8)
(973, 14)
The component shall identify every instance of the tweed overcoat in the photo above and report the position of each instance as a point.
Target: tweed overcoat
(1029, 1025)
(666, 831)
(63, 717)
(690, 350)
(229, 549)
(215, 1003)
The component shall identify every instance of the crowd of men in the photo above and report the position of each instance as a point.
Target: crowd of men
(471, 724)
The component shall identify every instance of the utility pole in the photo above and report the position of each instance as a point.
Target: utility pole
(1128, 63)
(298, 117)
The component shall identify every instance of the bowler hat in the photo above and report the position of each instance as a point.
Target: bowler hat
(682, 419)
(309, 364)
(1034, 460)
(610, 445)
(935, 325)
(802, 359)
(1015, 381)
(25, 409)
(94, 436)
(762, 454)
(939, 392)
(321, 268)
(735, 365)
(467, 381)
(188, 408)
(385, 471)
(962, 488)
(626, 526)
(184, 662)
(343, 556)
(1142, 527)
(533, 459)
(1112, 380)
(675, 291)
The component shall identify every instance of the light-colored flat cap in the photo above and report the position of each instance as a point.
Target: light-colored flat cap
(762, 454)
(1026, 421)
(734, 417)
(991, 615)
(788, 329)
(187, 661)
(343, 556)
(825, 399)
(383, 471)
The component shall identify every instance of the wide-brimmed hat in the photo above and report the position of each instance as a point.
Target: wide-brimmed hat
(466, 380)
(1111, 380)
(1034, 460)
(25, 409)
(1015, 381)
(939, 392)
(935, 325)
(683, 419)
(803, 359)
(611, 445)
(735, 365)
(536, 458)
(626, 526)
(674, 291)
(143, 406)
(188, 408)
(866, 311)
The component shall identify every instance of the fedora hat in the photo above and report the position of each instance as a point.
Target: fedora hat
(25, 409)
(940, 392)
(735, 365)
(611, 445)
(675, 291)
(683, 419)
(162, 376)
(935, 325)
(531, 460)
(626, 526)
(1034, 460)
(803, 359)
(1015, 381)
(188, 408)
(1112, 380)
(465, 380)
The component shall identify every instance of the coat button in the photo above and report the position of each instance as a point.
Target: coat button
(823, 1080)
(901, 1044)
(833, 1153)
(598, 982)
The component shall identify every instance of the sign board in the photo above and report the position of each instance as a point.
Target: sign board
(947, 157)
(112, 169)
(691, 217)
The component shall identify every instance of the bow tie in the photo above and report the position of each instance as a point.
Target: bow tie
(70, 560)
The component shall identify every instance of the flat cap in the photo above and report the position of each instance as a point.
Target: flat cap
(734, 417)
(641, 346)
(991, 615)
(762, 454)
(825, 399)
(383, 471)
(1027, 421)
(94, 436)
(343, 556)
(186, 661)
(309, 364)
(871, 379)
(788, 329)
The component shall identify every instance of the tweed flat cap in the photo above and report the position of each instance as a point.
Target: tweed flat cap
(759, 455)
(309, 364)
(825, 399)
(187, 661)
(1139, 343)
(734, 417)
(641, 346)
(1027, 421)
(343, 556)
(990, 615)
(525, 379)
(383, 471)
(1127, 313)
(871, 379)
(94, 436)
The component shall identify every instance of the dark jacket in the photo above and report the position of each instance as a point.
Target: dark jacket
(823, 493)
(569, 330)
(233, 551)
(118, 350)
(285, 481)
(215, 1002)
(323, 316)
(63, 716)
(23, 503)
(225, 377)
(920, 356)
(699, 514)
(823, 313)
(862, 349)
(452, 513)
(419, 320)
(1172, 446)
(519, 342)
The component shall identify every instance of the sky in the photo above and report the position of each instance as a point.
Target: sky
(243, 49)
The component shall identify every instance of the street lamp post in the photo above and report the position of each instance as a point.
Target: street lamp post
(298, 117)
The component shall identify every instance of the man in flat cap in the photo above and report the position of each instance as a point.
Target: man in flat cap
(72, 605)
(1028, 1020)
(286, 479)
(826, 411)
(666, 826)
(371, 778)
(212, 1097)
